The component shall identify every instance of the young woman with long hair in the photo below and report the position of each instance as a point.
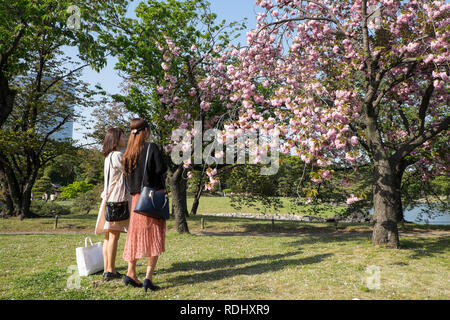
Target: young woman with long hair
(115, 190)
(146, 235)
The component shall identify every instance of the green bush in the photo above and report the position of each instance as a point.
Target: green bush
(75, 189)
(48, 208)
(88, 201)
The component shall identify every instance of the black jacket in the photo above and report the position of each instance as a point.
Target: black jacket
(156, 167)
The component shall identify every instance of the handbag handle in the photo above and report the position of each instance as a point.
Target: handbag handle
(85, 241)
(151, 197)
(107, 179)
(145, 171)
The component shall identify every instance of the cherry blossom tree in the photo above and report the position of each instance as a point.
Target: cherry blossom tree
(347, 82)
(167, 57)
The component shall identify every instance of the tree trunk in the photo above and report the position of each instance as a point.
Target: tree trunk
(19, 195)
(385, 230)
(198, 194)
(7, 97)
(398, 197)
(9, 206)
(12, 190)
(179, 200)
(26, 203)
(22, 203)
(195, 203)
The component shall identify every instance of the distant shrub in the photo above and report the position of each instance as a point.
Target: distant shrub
(48, 208)
(74, 190)
(43, 185)
(88, 201)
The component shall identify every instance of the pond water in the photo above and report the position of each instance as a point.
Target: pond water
(414, 215)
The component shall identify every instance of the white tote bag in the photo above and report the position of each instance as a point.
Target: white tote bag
(89, 258)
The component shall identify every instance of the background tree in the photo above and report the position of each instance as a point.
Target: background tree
(43, 185)
(111, 115)
(35, 77)
(349, 73)
(62, 23)
(63, 169)
(90, 165)
(28, 139)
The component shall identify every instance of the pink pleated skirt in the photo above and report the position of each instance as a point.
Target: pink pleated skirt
(146, 236)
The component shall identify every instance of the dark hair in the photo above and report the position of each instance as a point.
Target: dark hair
(111, 140)
(135, 144)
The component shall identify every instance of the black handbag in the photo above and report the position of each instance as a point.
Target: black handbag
(152, 203)
(116, 211)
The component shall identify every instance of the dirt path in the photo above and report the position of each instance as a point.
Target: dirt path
(339, 233)
(42, 233)
(429, 234)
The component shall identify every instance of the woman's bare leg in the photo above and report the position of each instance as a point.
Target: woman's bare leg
(112, 250)
(132, 270)
(105, 252)
(151, 267)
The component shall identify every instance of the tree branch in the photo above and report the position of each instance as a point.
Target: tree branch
(15, 44)
(395, 82)
(405, 120)
(409, 146)
(44, 142)
(57, 79)
(424, 106)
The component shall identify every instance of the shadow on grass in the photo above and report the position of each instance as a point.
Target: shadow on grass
(426, 247)
(329, 239)
(266, 226)
(203, 265)
(301, 228)
(228, 267)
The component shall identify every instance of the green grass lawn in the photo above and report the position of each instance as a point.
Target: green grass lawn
(232, 259)
(223, 205)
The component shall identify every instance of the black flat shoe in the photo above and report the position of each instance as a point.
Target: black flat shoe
(116, 275)
(110, 276)
(107, 276)
(149, 284)
(127, 280)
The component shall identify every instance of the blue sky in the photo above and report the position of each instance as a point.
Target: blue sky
(108, 78)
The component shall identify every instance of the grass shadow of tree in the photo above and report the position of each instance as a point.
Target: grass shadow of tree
(279, 262)
(297, 227)
(425, 247)
(204, 265)
(324, 239)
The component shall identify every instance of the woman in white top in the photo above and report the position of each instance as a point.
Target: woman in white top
(114, 141)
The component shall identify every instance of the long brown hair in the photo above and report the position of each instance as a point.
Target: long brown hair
(111, 141)
(135, 144)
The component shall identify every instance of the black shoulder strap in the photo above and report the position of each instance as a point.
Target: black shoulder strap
(145, 170)
(107, 179)
(145, 167)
